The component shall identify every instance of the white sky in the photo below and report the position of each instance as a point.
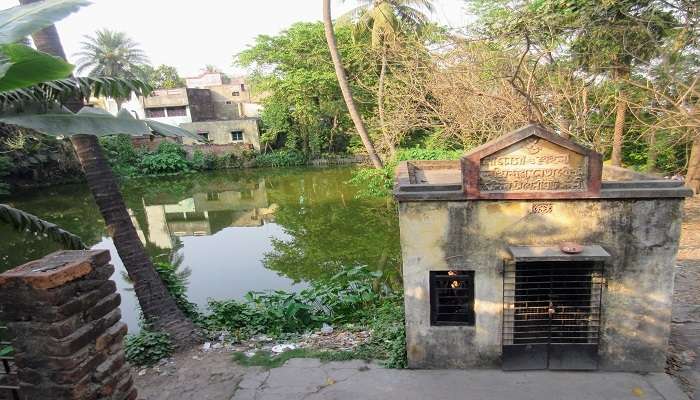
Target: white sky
(190, 34)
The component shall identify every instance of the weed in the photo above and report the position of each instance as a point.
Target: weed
(268, 360)
(147, 347)
(281, 158)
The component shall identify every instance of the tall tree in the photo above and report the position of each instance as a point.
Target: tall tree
(610, 38)
(162, 77)
(345, 86)
(384, 21)
(111, 54)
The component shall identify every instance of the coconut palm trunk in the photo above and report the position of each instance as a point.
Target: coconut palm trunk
(48, 41)
(158, 306)
(345, 87)
(380, 103)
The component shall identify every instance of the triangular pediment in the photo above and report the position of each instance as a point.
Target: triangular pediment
(531, 162)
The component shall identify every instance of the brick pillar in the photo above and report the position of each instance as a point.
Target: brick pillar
(63, 314)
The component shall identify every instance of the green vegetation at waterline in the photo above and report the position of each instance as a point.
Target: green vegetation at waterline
(147, 347)
(374, 182)
(352, 299)
(171, 158)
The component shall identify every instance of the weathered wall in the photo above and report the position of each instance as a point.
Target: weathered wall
(166, 98)
(201, 106)
(641, 236)
(220, 131)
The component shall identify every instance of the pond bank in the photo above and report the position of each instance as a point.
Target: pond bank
(230, 231)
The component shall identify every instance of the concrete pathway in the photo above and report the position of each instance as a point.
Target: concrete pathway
(309, 379)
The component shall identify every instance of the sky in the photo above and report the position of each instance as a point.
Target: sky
(190, 34)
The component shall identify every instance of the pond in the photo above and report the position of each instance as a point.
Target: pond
(231, 231)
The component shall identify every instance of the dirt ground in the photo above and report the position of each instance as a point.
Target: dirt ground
(193, 375)
(683, 362)
(213, 375)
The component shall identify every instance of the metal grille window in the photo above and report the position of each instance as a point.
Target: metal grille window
(177, 111)
(452, 297)
(158, 112)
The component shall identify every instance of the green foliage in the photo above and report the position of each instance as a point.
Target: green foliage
(388, 328)
(87, 121)
(23, 66)
(176, 283)
(169, 158)
(147, 347)
(16, 23)
(268, 360)
(417, 153)
(162, 77)
(5, 166)
(347, 298)
(111, 53)
(374, 182)
(379, 182)
(122, 156)
(341, 299)
(83, 86)
(24, 221)
(203, 161)
(305, 109)
(20, 65)
(281, 158)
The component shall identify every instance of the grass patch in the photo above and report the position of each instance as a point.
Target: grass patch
(269, 360)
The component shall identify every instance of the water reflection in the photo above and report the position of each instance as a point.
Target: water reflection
(235, 231)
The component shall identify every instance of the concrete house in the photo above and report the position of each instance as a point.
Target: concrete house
(214, 110)
(529, 254)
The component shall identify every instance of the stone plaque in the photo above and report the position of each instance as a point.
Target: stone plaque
(531, 163)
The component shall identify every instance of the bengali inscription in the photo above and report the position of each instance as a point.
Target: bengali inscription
(533, 165)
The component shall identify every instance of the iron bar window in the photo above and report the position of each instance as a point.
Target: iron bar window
(451, 298)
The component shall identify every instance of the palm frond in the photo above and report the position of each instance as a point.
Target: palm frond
(85, 87)
(25, 222)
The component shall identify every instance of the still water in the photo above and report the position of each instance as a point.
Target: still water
(231, 231)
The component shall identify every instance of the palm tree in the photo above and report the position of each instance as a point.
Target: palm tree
(345, 87)
(384, 21)
(42, 83)
(111, 54)
(48, 41)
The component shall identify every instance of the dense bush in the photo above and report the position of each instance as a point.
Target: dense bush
(417, 153)
(147, 347)
(281, 158)
(374, 182)
(203, 162)
(169, 158)
(344, 298)
(176, 283)
(123, 157)
(348, 298)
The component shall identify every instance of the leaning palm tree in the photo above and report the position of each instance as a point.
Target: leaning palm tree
(345, 87)
(112, 54)
(384, 21)
(29, 88)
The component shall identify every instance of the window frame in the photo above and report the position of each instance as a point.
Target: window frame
(236, 140)
(466, 276)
